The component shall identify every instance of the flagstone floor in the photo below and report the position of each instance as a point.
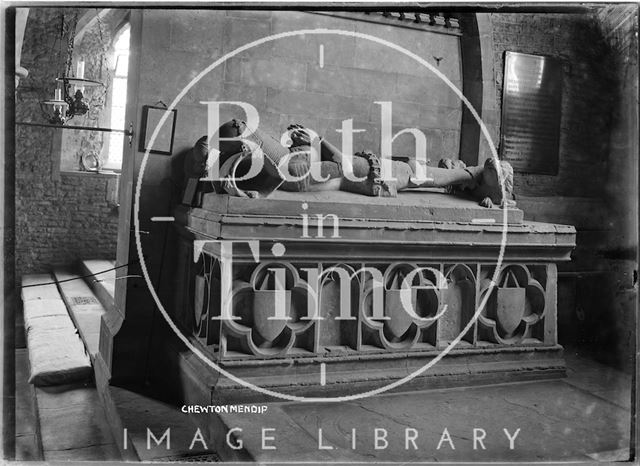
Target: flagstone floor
(584, 417)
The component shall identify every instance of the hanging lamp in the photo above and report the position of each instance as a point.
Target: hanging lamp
(68, 98)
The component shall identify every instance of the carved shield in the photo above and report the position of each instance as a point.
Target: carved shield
(510, 308)
(265, 303)
(399, 318)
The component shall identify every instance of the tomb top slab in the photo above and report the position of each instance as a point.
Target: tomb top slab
(443, 226)
(416, 205)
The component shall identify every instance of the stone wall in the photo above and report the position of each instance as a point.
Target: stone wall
(60, 218)
(596, 184)
(587, 103)
(619, 24)
(284, 80)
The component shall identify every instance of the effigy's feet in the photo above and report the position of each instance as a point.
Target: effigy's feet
(490, 190)
(451, 164)
(374, 185)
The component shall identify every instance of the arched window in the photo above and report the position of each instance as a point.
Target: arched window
(118, 101)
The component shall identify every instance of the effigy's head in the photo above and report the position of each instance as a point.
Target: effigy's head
(273, 152)
(196, 160)
(229, 143)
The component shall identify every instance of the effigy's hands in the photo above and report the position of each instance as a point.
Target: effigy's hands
(487, 202)
(299, 135)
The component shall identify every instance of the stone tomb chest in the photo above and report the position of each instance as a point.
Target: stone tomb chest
(311, 245)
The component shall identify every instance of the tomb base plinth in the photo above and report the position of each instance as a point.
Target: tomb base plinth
(327, 294)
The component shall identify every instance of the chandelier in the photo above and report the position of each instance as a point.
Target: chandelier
(69, 98)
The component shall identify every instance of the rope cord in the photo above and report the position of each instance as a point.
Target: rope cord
(82, 277)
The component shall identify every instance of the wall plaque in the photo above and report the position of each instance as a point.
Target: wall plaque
(151, 116)
(531, 108)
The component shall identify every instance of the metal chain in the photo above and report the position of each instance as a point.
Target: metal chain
(104, 60)
(104, 47)
(61, 66)
(70, 42)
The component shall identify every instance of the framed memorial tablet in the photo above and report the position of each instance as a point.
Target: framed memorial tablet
(531, 111)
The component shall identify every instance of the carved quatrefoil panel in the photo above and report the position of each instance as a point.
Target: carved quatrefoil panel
(268, 310)
(514, 305)
(405, 314)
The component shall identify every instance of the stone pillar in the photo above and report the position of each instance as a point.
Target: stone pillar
(479, 88)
